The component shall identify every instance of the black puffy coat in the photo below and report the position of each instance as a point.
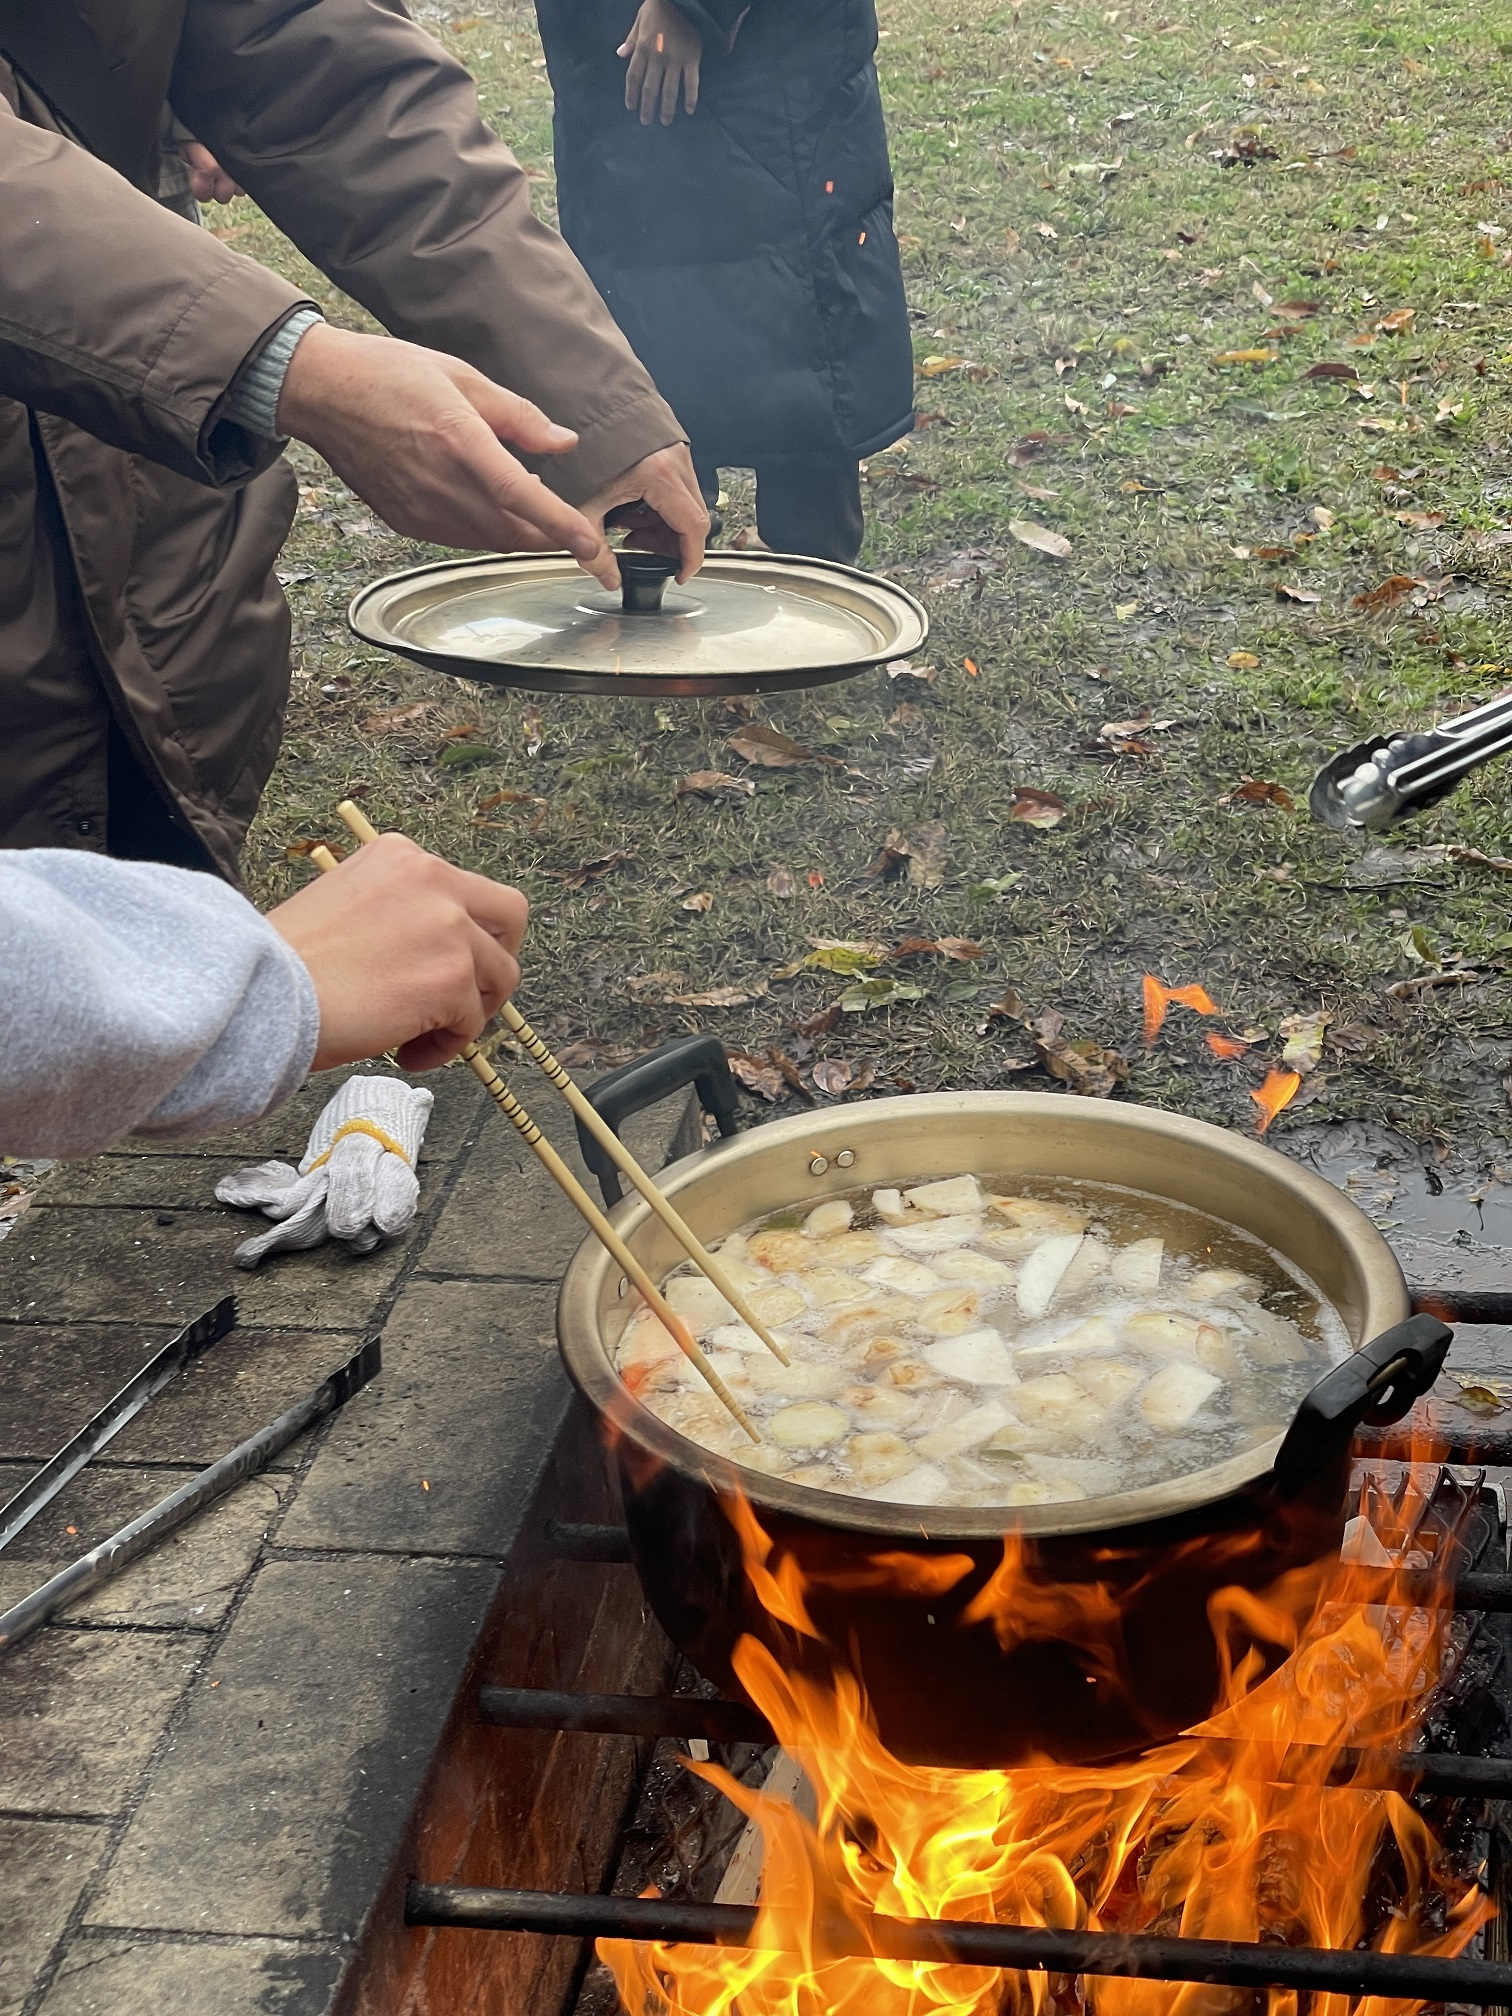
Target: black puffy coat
(747, 252)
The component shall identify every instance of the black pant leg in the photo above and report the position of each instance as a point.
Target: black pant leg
(811, 504)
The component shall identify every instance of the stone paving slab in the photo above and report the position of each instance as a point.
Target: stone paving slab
(468, 1403)
(80, 1712)
(303, 1749)
(96, 1263)
(44, 1865)
(187, 1581)
(53, 1379)
(460, 1104)
(116, 1977)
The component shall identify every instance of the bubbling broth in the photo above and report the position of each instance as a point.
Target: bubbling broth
(952, 1345)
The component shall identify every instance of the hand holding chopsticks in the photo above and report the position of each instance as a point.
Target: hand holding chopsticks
(569, 1184)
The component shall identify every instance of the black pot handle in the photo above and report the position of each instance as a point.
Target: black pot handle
(1376, 1384)
(698, 1061)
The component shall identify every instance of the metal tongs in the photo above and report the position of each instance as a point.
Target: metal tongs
(1380, 781)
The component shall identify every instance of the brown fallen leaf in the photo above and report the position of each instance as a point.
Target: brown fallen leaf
(928, 846)
(758, 1075)
(14, 1202)
(647, 983)
(714, 784)
(1332, 368)
(761, 743)
(535, 728)
(1352, 1038)
(1297, 311)
(820, 1024)
(1040, 538)
(590, 871)
(792, 1076)
(1286, 591)
(1387, 594)
(1032, 807)
(832, 1076)
(1032, 448)
(1302, 1047)
(392, 719)
(702, 901)
(1399, 320)
(1256, 791)
(300, 850)
(940, 948)
(1243, 661)
(780, 883)
(1273, 553)
(495, 798)
(1474, 858)
(719, 997)
(891, 858)
(1422, 521)
(1088, 1068)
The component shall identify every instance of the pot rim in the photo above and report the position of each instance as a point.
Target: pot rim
(589, 1366)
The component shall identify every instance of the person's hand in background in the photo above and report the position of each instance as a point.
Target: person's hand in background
(660, 505)
(208, 181)
(419, 436)
(406, 952)
(664, 51)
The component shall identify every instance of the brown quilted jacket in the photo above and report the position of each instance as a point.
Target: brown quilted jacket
(138, 528)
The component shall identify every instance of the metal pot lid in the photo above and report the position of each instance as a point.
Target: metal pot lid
(746, 623)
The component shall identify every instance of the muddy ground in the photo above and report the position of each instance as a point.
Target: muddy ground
(1130, 236)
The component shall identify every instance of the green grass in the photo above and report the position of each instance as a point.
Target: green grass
(1377, 132)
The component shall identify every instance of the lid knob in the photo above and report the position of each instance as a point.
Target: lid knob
(643, 578)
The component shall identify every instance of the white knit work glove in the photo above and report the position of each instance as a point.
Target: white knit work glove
(356, 1181)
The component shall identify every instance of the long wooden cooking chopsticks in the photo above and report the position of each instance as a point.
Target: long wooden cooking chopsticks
(558, 1170)
(361, 828)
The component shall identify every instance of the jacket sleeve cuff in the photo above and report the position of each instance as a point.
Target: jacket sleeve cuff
(253, 400)
(608, 444)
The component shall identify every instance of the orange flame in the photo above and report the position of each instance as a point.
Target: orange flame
(1275, 1095)
(1226, 1047)
(1273, 1821)
(1158, 998)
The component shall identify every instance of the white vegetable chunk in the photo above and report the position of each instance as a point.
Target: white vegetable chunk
(969, 1431)
(810, 1425)
(1163, 1333)
(980, 1357)
(1041, 1273)
(802, 1380)
(908, 1277)
(978, 1268)
(1092, 1333)
(833, 1215)
(925, 1484)
(827, 1287)
(1085, 1271)
(1110, 1381)
(949, 1311)
(1056, 1399)
(777, 1304)
(877, 1456)
(1175, 1393)
(698, 1302)
(1033, 1214)
(935, 1235)
(1214, 1283)
(956, 1193)
(1136, 1267)
(738, 1337)
(889, 1204)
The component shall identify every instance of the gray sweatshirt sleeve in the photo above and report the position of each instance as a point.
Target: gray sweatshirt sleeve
(136, 999)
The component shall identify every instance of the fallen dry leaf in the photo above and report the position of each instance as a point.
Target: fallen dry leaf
(832, 1076)
(927, 848)
(1040, 537)
(1287, 591)
(768, 746)
(941, 948)
(790, 1072)
(1256, 791)
(1297, 311)
(535, 728)
(647, 983)
(392, 719)
(1047, 231)
(300, 850)
(837, 955)
(704, 900)
(901, 668)
(1246, 357)
(1323, 518)
(891, 857)
(1394, 589)
(758, 1075)
(507, 798)
(780, 883)
(1032, 807)
(1243, 661)
(1332, 369)
(818, 1025)
(1088, 1068)
(1124, 610)
(1397, 321)
(1032, 448)
(1422, 521)
(719, 997)
(714, 784)
(590, 871)
(1302, 1046)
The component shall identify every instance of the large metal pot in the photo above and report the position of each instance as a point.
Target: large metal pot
(1052, 1678)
